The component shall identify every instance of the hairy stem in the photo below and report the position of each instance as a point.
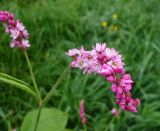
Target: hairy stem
(38, 117)
(85, 127)
(32, 76)
(51, 92)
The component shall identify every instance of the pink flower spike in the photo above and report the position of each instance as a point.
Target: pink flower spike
(115, 112)
(108, 63)
(82, 112)
(16, 30)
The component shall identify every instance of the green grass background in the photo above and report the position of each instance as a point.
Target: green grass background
(58, 25)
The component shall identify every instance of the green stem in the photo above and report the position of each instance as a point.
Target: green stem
(32, 75)
(38, 117)
(51, 92)
(85, 127)
(48, 96)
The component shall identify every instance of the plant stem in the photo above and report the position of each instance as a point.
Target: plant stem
(32, 75)
(51, 92)
(48, 96)
(38, 117)
(85, 127)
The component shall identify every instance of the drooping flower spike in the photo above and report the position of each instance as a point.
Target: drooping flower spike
(108, 63)
(16, 30)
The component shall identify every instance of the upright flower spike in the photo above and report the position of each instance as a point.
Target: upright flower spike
(108, 63)
(16, 30)
(82, 112)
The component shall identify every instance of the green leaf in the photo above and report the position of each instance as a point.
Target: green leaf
(17, 83)
(13, 78)
(51, 119)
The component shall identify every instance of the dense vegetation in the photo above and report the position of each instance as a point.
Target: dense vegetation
(58, 25)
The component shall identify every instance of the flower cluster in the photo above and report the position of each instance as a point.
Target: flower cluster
(82, 112)
(16, 30)
(108, 63)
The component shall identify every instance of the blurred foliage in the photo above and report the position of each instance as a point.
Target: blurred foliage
(57, 25)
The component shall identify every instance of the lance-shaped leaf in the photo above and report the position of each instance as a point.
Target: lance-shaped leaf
(17, 83)
(13, 78)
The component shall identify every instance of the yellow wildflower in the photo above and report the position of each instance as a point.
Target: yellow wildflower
(104, 23)
(115, 16)
(115, 27)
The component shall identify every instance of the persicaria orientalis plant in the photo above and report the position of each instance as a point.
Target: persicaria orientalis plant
(101, 60)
